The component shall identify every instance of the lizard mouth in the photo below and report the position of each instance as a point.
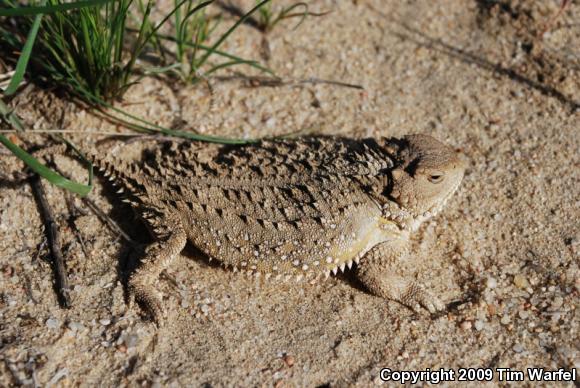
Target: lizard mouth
(407, 219)
(435, 209)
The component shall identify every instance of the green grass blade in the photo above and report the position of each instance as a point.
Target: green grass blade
(8, 115)
(46, 172)
(162, 22)
(86, 36)
(191, 13)
(24, 57)
(236, 60)
(229, 32)
(154, 128)
(223, 54)
(38, 167)
(23, 11)
(286, 13)
(228, 64)
(161, 70)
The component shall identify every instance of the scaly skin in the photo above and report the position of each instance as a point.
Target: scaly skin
(299, 209)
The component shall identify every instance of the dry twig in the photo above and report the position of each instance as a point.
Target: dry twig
(53, 237)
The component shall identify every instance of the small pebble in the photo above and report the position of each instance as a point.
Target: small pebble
(567, 352)
(521, 282)
(8, 271)
(76, 326)
(523, 314)
(288, 359)
(57, 376)
(465, 325)
(105, 322)
(505, 320)
(122, 348)
(518, 348)
(491, 282)
(131, 340)
(52, 323)
(530, 290)
(271, 122)
(557, 303)
(478, 325)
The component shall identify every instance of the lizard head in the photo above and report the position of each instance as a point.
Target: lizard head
(426, 173)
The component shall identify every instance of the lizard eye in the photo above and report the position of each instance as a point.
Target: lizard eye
(435, 178)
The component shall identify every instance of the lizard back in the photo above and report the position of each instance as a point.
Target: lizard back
(278, 208)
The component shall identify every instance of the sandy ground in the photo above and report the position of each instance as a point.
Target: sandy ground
(503, 254)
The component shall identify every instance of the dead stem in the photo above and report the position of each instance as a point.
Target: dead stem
(53, 237)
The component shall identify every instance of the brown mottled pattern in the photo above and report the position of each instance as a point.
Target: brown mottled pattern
(291, 209)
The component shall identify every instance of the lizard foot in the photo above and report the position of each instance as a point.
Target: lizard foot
(400, 289)
(416, 296)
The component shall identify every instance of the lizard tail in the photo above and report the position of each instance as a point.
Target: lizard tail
(124, 176)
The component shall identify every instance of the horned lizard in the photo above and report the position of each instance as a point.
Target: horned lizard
(290, 209)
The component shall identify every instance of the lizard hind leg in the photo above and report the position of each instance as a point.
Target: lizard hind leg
(158, 257)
